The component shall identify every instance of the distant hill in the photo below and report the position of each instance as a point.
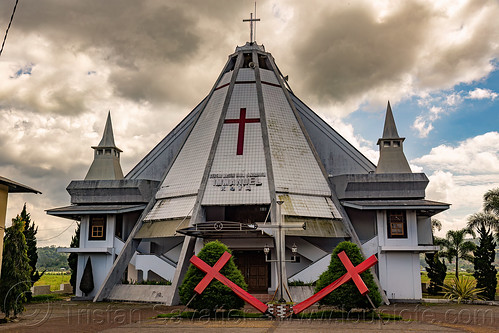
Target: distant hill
(49, 259)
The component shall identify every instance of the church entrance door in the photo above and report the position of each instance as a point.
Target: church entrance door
(254, 268)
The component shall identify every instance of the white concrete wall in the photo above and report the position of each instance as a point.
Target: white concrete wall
(312, 272)
(151, 262)
(399, 271)
(412, 230)
(425, 234)
(141, 293)
(101, 262)
(400, 275)
(84, 232)
(133, 274)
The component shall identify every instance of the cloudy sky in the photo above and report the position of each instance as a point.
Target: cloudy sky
(67, 62)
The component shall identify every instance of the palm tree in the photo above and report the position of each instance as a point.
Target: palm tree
(491, 201)
(456, 247)
(486, 220)
(491, 206)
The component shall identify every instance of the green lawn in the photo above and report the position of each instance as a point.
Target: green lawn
(53, 279)
(450, 275)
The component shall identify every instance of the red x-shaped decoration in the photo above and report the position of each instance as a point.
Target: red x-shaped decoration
(214, 273)
(352, 273)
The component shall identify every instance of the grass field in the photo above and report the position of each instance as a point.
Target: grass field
(53, 279)
(450, 276)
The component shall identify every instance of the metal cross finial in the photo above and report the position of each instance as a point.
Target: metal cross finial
(251, 20)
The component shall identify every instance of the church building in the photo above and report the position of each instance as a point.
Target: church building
(249, 155)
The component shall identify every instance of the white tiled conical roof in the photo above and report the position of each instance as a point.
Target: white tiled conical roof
(246, 147)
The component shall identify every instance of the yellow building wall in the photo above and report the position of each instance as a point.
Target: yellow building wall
(4, 192)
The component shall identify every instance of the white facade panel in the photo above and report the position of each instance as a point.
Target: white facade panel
(243, 96)
(268, 76)
(225, 79)
(246, 74)
(186, 173)
(295, 168)
(238, 175)
(172, 208)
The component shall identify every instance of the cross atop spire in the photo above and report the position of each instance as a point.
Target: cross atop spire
(251, 20)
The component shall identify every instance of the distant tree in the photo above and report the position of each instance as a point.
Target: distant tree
(51, 260)
(30, 231)
(484, 254)
(87, 279)
(15, 281)
(347, 296)
(457, 247)
(73, 257)
(436, 272)
(436, 224)
(216, 295)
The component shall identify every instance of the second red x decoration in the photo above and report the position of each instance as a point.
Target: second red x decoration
(353, 273)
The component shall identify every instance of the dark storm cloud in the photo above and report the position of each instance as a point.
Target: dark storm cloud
(122, 30)
(141, 45)
(348, 51)
(356, 50)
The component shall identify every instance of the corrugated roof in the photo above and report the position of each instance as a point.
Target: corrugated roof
(160, 229)
(171, 208)
(306, 205)
(316, 227)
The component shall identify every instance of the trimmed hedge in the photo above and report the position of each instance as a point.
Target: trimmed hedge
(216, 295)
(347, 296)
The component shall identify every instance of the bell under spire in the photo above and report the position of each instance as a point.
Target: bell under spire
(106, 164)
(391, 153)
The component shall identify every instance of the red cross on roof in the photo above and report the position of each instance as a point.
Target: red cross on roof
(242, 121)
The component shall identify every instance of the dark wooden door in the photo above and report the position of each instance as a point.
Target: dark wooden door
(254, 268)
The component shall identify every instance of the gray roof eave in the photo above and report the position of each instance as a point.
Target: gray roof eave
(15, 187)
(395, 204)
(75, 211)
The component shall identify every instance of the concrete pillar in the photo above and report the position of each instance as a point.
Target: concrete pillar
(4, 192)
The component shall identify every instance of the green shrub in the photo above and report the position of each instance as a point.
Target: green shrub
(87, 279)
(462, 289)
(483, 261)
(216, 295)
(299, 283)
(437, 270)
(15, 281)
(347, 296)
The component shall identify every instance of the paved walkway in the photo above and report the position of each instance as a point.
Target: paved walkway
(67, 316)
